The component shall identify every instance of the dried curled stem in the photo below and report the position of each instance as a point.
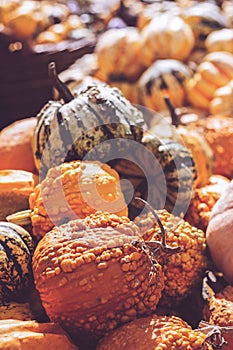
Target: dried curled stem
(153, 249)
(157, 247)
(58, 84)
(214, 334)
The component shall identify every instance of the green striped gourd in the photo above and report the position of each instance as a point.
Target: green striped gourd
(68, 130)
(167, 75)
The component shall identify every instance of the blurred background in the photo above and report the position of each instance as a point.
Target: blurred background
(142, 47)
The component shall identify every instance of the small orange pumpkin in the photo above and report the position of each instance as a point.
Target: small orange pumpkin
(15, 145)
(214, 71)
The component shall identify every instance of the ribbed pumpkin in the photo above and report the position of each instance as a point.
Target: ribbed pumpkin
(166, 36)
(222, 101)
(70, 129)
(167, 74)
(152, 10)
(118, 52)
(16, 248)
(214, 71)
(220, 40)
(204, 17)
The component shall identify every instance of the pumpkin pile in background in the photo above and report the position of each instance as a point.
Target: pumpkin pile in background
(116, 198)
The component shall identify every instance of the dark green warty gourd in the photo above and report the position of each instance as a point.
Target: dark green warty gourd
(16, 249)
(68, 130)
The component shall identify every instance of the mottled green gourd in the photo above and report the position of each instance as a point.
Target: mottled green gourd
(16, 249)
(68, 130)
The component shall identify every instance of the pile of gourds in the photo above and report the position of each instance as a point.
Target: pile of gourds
(128, 217)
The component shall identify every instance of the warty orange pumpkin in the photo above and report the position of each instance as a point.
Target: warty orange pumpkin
(96, 273)
(203, 201)
(74, 190)
(155, 332)
(182, 271)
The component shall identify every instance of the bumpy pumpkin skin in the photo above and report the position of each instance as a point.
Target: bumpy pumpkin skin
(154, 332)
(182, 271)
(92, 279)
(15, 263)
(203, 201)
(219, 312)
(74, 190)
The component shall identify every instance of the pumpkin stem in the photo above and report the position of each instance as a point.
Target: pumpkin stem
(171, 108)
(168, 250)
(207, 291)
(58, 84)
(21, 218)
(214, 334)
